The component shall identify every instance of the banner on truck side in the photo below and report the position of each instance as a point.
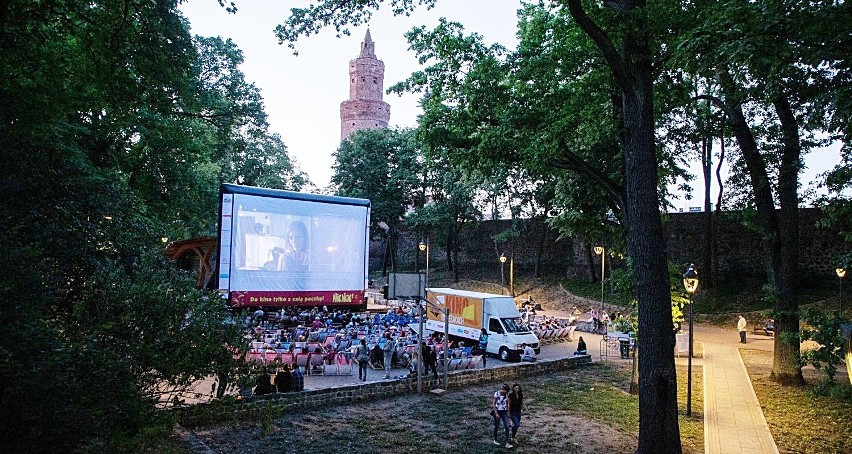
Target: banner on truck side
(465, 315)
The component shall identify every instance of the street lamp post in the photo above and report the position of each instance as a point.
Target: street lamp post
(512, 273)
(424, 247)
(601, 251)
(690, 282)
(841, 273)
(502, 274)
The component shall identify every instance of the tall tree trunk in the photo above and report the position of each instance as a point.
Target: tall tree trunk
(632, 68)
(707, 164)
(717, 216)
(392, 246)
(386, 256)
(539, 250)
(785, 364)
(780, 272)
(658, 425)
(591, 269)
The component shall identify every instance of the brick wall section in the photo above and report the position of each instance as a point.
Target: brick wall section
(250, 409)
(739, 247)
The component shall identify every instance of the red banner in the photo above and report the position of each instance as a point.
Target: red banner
(298, 298)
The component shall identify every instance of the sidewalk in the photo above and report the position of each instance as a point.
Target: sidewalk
(733, 420)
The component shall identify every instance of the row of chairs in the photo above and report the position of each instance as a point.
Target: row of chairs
(469, 362)
(342, 364)
(553, 335)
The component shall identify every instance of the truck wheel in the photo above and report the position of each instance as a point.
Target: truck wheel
(504, 354)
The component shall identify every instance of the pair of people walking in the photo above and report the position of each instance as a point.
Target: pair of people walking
(507, 405)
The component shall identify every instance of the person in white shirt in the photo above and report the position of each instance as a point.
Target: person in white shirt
(741, 327)
(529, 354)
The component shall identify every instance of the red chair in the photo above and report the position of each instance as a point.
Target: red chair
(286, 358)
(271, 356)
(302, 360)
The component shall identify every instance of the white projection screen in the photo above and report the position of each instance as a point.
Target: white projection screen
(282, 248)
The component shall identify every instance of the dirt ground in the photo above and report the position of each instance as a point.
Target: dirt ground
(457, 421)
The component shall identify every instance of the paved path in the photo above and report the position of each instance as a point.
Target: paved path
(733, 420)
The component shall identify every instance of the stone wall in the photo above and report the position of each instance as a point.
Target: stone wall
(739, 247)
(251, 408)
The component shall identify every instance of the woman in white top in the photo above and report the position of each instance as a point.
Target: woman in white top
(500, 413)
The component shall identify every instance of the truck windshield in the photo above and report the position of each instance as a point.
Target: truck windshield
(515, 325)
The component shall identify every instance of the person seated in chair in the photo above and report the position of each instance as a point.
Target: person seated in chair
(769, 327)
(528, 354)
(264, 385)
(377, 357)
(284, 379)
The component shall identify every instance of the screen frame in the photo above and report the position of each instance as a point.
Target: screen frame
(330, 297)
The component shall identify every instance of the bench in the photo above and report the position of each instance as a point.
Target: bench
(759, 330)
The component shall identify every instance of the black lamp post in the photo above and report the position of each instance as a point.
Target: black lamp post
(601, 251)
(841, 273)
(502, 273)
(690, 282)
(424, 247)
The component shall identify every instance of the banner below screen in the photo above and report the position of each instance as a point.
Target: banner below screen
(297, 298)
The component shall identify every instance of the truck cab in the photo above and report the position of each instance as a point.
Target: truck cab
(506, 335)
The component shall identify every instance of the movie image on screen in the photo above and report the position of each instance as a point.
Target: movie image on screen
(282, 248)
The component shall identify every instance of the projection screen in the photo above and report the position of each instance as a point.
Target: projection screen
(282, 248)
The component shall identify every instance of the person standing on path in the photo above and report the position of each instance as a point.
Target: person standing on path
(516, 407)
(388, 350)
(483, 345)
(362, 355)
(500, 413)
(741, 327)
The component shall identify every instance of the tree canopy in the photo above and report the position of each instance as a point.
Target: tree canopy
(116, 129)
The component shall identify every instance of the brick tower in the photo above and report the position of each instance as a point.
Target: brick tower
(364, 109)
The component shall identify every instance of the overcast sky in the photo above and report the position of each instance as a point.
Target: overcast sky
(303, 93)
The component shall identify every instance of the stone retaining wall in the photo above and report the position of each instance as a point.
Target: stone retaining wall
(255, 407)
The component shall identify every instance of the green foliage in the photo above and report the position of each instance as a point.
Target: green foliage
(383, 166)
(116, 128)
(825, 331)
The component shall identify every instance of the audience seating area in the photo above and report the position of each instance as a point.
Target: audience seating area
(550, 330)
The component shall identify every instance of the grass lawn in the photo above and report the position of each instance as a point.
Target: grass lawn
(800, 421)
(585, 410)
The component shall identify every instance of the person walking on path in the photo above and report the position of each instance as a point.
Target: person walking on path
(500, 413)
(388, 350)
(516, 407)
(741, 327)
(483, 345)
(362, 355)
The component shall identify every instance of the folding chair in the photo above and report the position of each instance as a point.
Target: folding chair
(302, 360)
(317, 363)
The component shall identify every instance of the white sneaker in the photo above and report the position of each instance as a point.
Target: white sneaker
(509, 446)
(496, 442)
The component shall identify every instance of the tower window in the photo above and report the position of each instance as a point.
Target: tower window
(375, 81)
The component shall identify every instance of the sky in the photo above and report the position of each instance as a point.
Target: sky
(302, 94)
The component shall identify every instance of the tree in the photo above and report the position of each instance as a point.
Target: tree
(101, 126)
(632, 71)
(383, 166)
(774, 71)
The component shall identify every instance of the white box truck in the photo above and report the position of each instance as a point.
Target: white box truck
(472, 311)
